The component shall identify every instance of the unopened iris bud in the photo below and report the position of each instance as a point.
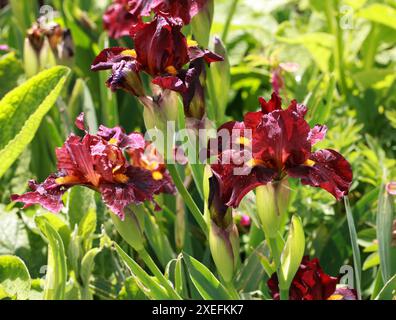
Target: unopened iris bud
(223, 234)
(272, 202)
(131, 228)
(202, 23)
(160, 110)
(45, 46)
(224, 246)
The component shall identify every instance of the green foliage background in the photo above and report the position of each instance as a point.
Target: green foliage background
(346, 55)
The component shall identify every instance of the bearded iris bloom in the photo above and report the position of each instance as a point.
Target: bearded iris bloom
(97, 162)
(117, 19)
(312, 283)
(280, 146)
(122, 14)
(162, 51)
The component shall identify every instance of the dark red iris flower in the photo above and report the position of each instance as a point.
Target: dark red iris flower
(98, 162)
(181, 9)
(277, 143)
(117, 19)
(162, 51)
(311, 283)
(150, 159)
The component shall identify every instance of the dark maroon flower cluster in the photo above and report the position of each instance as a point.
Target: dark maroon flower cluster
(99, 162)
(278, 143)
(121, 14)
(161, 50)
(311, 283)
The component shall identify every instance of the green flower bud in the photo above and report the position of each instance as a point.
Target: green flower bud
(220, 80)
(223, 234)
(131, 228)
(202, 23)
(272, 202)
(224, 246)
(30, 58)
(292, 254)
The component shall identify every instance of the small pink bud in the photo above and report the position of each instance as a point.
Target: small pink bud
(245, 221)
(391, 188)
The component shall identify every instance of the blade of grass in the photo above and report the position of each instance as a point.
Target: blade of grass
(384, 232)
(355, 247)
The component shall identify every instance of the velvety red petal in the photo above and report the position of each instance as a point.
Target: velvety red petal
(317, 134)
(281, 139)
(117, 20)
(80, 122)
(106, 58)
(160, 45)
(195, 53)
(182, 9)
(118, 137)
(117, 197)
(48, 195)
(237, 179)
(274, 104)
(171, 83)
(330, 171)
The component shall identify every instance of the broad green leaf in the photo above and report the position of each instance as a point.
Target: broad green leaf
(355, 247)
(55, 281)
(388, 292)
(10, 70)
(146, 283)
(22, 110)
(13, 234)
(252, 271)
(380, 13)
(208, 286)
(158, 240)
(293, 253)
(371, 261)
(14, 278)
(373, 77)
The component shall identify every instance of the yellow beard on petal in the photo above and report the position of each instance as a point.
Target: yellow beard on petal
(131, 53)
(121, 178)
(67, 180)
(171, 70)
(336, 297)
(157, 175)
(309, 163)
(192, 43)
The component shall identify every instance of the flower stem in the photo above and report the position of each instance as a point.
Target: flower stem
(227, 24)
(276, 254)
(192, 206)
(157, 273)
(284, 294)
